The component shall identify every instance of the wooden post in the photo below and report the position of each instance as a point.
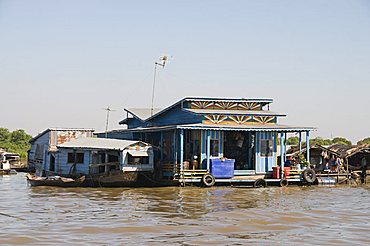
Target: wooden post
(161, 146)
(282, 143)
(174, 147)
(347, 170)
(208, 150)
(182, 150)
(308, 146)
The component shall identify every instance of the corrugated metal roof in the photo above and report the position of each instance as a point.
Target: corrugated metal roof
(99, 143)
(249, 127)
(142, 113)
(61, 129)
(220, 127)
(234, 112)
(295, 149)
(349, 150)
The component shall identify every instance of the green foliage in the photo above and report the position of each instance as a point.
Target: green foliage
(4, 135)
(321, 141)
(340, 140)
(364, 141)
(302, 160)
(292, 141)
(16, 141)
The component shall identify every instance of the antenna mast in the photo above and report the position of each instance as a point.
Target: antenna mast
(108, 109)
(162, 62)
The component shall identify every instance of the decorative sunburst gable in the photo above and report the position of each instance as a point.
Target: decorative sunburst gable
(240, 119)
(216, 119)
(265, 119)
(202, 104)
(249, 106)
(225, 105)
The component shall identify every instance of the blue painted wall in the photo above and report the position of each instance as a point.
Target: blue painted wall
(175, 116)
(265, 163)
(62, 166)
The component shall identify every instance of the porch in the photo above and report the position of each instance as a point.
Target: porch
(185, 153)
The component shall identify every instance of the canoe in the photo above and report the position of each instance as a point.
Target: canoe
(54, 181)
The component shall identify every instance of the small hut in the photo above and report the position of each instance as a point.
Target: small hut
(354, 156)
(320, 156)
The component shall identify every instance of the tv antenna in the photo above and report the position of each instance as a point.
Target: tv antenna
(163, 60)
(108, 109)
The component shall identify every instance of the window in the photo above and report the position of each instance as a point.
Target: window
(39, 155)
(113, 158)
(135, 160)
(75, 157)
(266, 148)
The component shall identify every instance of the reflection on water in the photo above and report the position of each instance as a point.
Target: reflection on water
(184, 216)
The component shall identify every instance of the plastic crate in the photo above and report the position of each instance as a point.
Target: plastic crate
(222, 168)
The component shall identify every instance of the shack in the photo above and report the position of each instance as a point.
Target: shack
(320, 156)
(41, 156)
(92, 156)
(353, 155)
(193, 137)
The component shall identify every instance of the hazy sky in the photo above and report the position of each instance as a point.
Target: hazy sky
(62, 62)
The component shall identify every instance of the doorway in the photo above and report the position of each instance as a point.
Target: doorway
(241, 147)
(52, 163)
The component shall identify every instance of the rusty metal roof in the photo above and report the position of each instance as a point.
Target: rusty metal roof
(61, 129)
(295, 149)
(349, 150)
(99, 143)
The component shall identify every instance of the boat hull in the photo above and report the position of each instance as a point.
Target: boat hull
(59, 182)
(122, 179)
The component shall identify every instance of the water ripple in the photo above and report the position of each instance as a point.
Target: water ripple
(182, 216)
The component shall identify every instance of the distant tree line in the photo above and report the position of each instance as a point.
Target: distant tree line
(321, 141)
(16, 141)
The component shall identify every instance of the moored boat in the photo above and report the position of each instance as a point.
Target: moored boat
(59, 181)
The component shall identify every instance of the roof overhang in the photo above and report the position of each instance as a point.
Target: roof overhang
(248, 127)
(220, 127)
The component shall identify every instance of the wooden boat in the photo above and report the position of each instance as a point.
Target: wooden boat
(7, 171)
(54, 181)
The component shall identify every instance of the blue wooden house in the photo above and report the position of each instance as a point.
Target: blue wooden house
(42, 155)
(191, 134)
(92, 156)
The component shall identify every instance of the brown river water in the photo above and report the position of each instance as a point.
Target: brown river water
(183, 216)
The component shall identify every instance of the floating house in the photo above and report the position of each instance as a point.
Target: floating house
(105, 162)
(41, 156)
(193, 135)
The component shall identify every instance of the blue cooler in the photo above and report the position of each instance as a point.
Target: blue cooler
(222, 168)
